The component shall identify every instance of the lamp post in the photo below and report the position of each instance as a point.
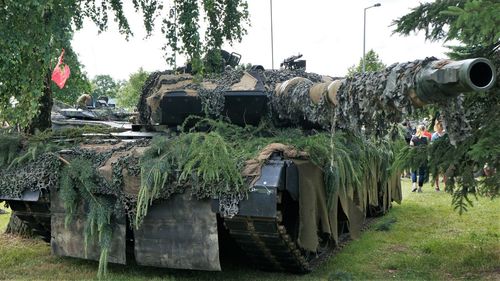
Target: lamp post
(364, 31)
(272, 35)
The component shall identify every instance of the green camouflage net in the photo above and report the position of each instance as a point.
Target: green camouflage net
(37, 175)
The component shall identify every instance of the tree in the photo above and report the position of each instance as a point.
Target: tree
(373, 63)
(32, 36)
(129, 94)
(475, 24)
(34, 32)
(226, 21)
(104, 85)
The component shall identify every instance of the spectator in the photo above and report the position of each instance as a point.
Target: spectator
(408, 131)
(438, 132)
(408, 134)
(417, 140)
(427, 134)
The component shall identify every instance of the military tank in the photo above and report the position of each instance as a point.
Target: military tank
(286, 193)
(101, 113)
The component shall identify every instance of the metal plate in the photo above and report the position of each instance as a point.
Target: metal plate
(30, 196)
(241, 107)
(261, 202)
(179, 233)
(69, 241)
(245, 107)
(271, 175)
(176, 106)
(262, 197)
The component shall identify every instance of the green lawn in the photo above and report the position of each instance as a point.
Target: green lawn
(422, 239)
(4, 219)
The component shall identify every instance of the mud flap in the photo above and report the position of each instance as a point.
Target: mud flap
(179, 233)
(69, 241)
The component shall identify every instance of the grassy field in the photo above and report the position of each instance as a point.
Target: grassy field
(4, 219)
(421, 239)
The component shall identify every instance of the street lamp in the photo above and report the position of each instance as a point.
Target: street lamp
(364, 32)
(272, 35)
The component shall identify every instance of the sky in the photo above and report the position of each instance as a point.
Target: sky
(328, 33)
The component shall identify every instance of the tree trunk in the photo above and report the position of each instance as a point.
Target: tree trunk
(18, 227)
(42, 120)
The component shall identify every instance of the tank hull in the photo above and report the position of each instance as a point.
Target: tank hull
(184, 233)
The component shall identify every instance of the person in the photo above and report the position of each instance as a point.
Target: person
(427, 134)
(83, 101)
(408, 131)
(408, 134)
(418, 140)
(438, 132)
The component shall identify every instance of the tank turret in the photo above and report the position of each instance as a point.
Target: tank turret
(294, 97)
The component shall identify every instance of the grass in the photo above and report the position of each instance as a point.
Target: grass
(4, 219)
(421, 239)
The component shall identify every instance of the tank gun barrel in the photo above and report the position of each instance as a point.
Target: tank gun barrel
(444, 79)
(388, 94)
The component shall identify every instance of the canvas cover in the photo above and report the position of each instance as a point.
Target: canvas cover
(316, 214)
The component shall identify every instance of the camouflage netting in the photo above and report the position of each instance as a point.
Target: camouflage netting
(117, 166)
(456, 122)
(378, 101)
(37, 175)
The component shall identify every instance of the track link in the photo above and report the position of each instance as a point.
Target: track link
(271, 247)
(267, 242)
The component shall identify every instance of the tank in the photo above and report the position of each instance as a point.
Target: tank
(103, 113)
(264, 163)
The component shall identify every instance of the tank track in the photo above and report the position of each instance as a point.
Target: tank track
(36, 215)
(267, 243)
(272, 247)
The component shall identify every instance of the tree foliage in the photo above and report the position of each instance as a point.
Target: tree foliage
(372, 64)
(129, 94)
(32, 36)
(476, 26)
(225, 21)
(474, 23)
(33, 32)
(104, 85)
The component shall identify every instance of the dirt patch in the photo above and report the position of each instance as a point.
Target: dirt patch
(398, 248)
(491, 274)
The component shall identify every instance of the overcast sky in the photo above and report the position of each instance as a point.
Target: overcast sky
(329, 33)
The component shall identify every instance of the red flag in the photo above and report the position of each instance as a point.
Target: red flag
(61, 72)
